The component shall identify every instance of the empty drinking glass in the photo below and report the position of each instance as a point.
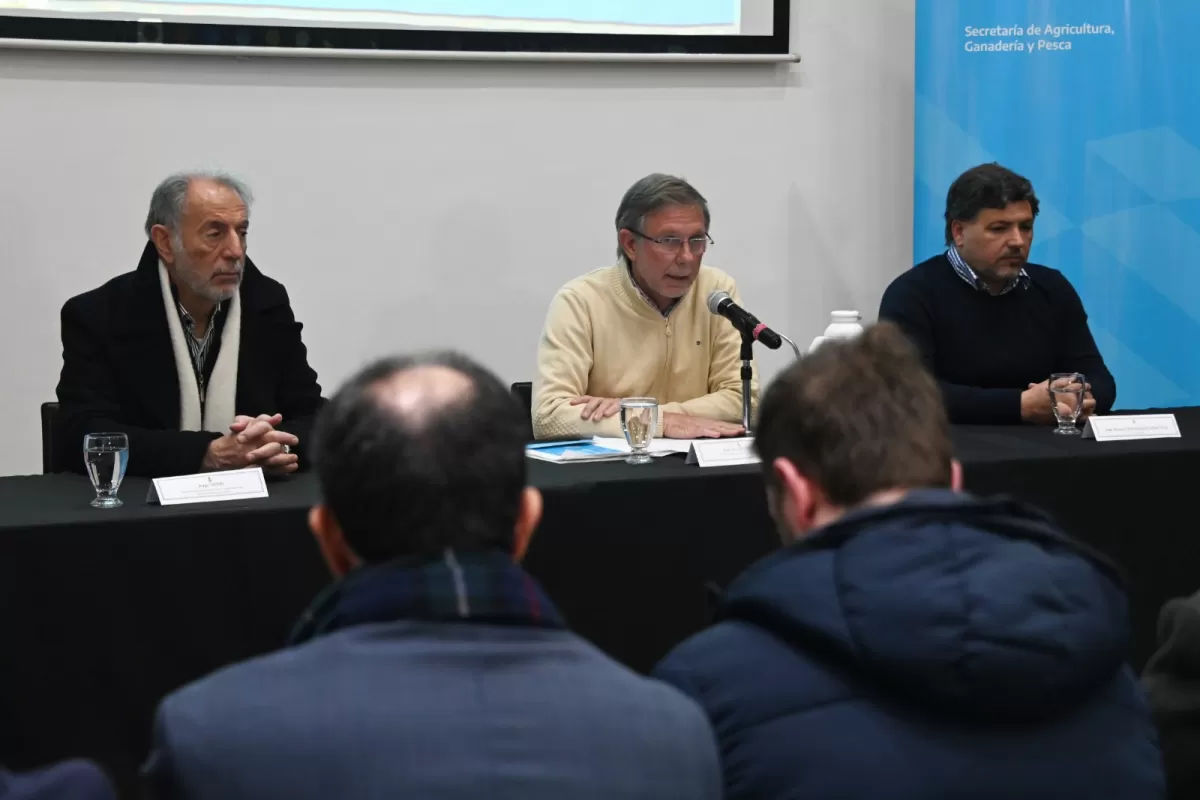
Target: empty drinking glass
(106, 455)
(639, 420)
(1067, 390)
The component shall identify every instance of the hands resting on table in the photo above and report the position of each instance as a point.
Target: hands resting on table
(1035, 407)
(674, 426)
(1036, 404)
(251, 442)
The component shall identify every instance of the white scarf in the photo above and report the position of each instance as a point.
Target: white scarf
(222, 386)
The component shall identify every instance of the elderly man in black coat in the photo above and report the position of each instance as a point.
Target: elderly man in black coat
(195, 355)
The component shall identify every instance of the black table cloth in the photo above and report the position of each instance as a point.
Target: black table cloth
(104, 612)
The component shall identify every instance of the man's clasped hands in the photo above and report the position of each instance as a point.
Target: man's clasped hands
(254, 442)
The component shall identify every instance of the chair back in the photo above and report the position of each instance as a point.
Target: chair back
(49, 422)
(523, 391)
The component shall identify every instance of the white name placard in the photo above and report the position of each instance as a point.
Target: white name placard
(209, 487)
(722, 452)
(1133, 426)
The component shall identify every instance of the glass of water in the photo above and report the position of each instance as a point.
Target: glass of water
(106, 455)
(639, 420)
(1067, 390)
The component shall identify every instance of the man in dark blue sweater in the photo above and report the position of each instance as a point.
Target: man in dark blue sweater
(991, 326)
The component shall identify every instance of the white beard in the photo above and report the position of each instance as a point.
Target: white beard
(185, 273)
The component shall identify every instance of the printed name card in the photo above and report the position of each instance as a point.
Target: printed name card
(1133, 426)
(722, 452)
(209, 487)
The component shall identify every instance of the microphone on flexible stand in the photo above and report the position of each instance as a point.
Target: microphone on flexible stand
(721, 304)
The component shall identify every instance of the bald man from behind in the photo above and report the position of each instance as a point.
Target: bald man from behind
(434, 666)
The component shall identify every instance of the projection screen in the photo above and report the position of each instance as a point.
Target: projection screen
(731, 27)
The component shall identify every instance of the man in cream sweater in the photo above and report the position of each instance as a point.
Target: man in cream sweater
(640, 328)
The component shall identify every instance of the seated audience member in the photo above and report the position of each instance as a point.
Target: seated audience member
(911, 641)
(436, 667)
(1172, 680)
(642, 328)
(68, 780)
(992, 327)
(196, 354)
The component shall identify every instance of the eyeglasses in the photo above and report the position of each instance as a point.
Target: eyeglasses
(671, 245)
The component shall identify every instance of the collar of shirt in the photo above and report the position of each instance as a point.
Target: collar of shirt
(646, 297)
(967, 274)
(189, 322)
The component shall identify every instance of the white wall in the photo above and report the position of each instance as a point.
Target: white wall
(408, 205)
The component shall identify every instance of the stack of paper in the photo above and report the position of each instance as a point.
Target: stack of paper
(658, 447)
(580, 451)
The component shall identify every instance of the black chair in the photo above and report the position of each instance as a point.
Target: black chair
(49, 421)
(524, 393)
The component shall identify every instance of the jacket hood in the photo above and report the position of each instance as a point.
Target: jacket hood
(973, 607)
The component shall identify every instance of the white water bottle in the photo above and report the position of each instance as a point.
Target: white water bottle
(845, 325)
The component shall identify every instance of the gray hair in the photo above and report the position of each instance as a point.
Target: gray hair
(649, 195)
(169, 201)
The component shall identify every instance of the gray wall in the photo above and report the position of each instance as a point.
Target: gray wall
(411, 205)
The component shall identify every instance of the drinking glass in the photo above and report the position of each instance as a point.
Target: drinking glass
(639, 420)
(1067, 390)
(106, 455)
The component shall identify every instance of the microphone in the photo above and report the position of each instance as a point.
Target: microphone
(722, 304)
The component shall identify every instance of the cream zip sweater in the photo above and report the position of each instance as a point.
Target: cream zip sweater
(602, 338)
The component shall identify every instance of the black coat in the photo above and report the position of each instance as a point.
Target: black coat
(119, 371)
(1172, 681)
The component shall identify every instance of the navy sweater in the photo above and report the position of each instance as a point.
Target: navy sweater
(984, 349)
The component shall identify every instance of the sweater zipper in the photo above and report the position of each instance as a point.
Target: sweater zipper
(666, 376)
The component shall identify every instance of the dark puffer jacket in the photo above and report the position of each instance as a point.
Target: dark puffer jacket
(942, 647)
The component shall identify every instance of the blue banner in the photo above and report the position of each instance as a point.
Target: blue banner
(1097, 102)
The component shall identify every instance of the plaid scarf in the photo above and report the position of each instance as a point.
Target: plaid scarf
(485, 588)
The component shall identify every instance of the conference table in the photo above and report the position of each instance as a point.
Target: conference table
(103, 612)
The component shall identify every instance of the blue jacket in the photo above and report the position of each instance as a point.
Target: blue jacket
(436, 711)
(68, 780)
(942, 647)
